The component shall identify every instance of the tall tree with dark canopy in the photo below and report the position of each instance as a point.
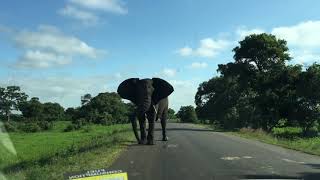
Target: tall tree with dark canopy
(10, 98)
(32, 109)
(248, 91)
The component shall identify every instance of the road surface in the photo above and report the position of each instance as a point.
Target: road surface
(194, 153)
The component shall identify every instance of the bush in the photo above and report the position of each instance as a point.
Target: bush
(87, 129)
(30, 127)
(70, 127)
(45, 125)
(187, 114)
(76, 124)
(80, 122)
(10, 127)
(105, 119)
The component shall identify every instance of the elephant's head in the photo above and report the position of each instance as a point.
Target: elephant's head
(144, 92)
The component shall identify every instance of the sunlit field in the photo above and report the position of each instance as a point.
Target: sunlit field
(50, 154)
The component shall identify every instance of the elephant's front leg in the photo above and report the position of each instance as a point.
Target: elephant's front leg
(142, 123)
(151, 115)
(133, 121)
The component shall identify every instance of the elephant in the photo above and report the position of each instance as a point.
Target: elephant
(150, 97)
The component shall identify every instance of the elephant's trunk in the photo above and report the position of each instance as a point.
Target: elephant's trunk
(144, 106)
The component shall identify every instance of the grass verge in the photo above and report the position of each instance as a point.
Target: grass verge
(288, 137)
(307, 145)
(48, 155)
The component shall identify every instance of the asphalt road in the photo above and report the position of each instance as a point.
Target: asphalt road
(196, 153)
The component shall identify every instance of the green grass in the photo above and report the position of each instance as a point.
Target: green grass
(47, 155)
(289, 137)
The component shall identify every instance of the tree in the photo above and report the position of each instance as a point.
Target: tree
(85, 99)
(52, 111)
(10, 98)
(187, 114)
(32, 109)
(264, 51)
(70, 113)
(308, 98)
(105, 106)
(249, 91)
(171, 114)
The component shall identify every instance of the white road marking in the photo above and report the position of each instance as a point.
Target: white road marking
(247, 157)
(172, 145)
(230, 158)
(292, 161)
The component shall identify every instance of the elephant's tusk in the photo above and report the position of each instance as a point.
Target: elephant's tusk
(154, 108)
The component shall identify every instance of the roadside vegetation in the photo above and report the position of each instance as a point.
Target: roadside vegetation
(289, 137)
(50, 154)
(260, 94)
(42, 140)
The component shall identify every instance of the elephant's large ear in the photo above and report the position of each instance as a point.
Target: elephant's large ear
(127, 89)
(162, 89)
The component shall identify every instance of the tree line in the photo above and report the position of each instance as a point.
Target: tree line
(31, 115)
(261, 89)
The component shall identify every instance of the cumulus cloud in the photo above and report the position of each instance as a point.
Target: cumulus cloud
(50, 38)
(169, 72)
(39, 59)
(243, 31)
(112, 6)
(302, 38)
(185, 51)
(198, 65)
(305, 57)
(184, 92)
(88, 18)
(208, 48)
(48, 46)
(304, 34)
(65, 90)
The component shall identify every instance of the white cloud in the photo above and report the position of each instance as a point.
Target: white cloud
(208, 48)
(51, 39)
(65, 90)
(302, 39)
(305, 57)
(39, 59)
(87, 18)
(185, 51)
(184, 93)
(198, 65)
(304, 34)
(243, 31)
(48, 46)
(112, 6)
(169, 72)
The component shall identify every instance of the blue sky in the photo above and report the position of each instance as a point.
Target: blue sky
(60, 50)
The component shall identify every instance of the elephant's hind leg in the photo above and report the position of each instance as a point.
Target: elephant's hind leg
(163, 125)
